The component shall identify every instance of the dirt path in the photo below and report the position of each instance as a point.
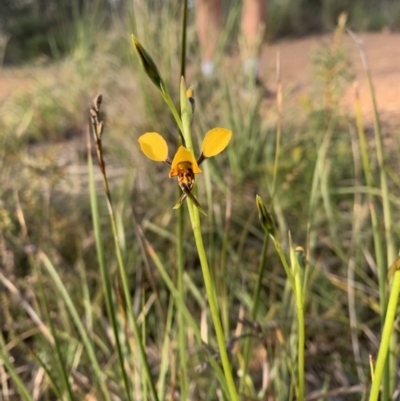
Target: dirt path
(383, 54)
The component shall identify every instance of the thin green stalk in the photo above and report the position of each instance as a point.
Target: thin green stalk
(165, 352)
(185, 311)
(98, 127)
(174, 112)
(297, 288)
(379, 255)
(52, 340)
(390, 371)
(196, 226)
(294, 275)
(285, 264)
(180, 241)
(62, 365)
(254, 309)
(51, 374)
(386, 334)
(219, 270)
(221, 290)
(297, 273)
(279, 124)
(261, 269)
(172, 288)
(78, 324)
(126, 291)
(181, 290)
(21, 388)
(143, 396)
(319, 166)
(105, 279)
(183, 40)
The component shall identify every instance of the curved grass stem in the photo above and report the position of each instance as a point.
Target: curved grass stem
(97, 127)
(386, 335)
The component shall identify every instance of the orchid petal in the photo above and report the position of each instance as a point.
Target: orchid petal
(154, 146)
(215, 141)
(183, 155)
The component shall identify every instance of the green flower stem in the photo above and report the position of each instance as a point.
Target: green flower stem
(180, 233)
(196, 226)
(282, 257)
(181, 319)
(185, 311)
(386, 335)
(183, 39)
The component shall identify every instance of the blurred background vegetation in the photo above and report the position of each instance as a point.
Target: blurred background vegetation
(65, 52)
(48, 27)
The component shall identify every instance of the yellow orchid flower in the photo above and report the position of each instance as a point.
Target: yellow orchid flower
(184, 164)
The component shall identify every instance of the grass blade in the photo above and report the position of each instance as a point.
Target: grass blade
(78, 324)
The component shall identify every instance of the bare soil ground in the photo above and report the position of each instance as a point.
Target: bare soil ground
(382, 50)
(383, 55)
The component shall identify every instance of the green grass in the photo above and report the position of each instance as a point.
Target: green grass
(109, 293)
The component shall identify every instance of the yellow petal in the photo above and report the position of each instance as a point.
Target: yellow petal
(215, 141)
(183, 156)
(153, 145)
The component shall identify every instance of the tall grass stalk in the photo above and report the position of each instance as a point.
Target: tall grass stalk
(295, 278)
(389, 377)
(279, 123)
(5, 358)
(61, 363)
(185, 311)
(387, 333)
(105, 278)
(48, 334)
(62, 291)
(378, 241)
(97, 128)
(165, 350)
(254, 309)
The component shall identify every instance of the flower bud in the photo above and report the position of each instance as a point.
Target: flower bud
(265, 218)
(148, 64)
